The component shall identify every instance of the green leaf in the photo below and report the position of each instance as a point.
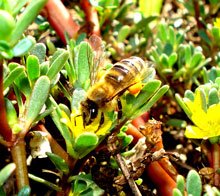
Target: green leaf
(164, 60)
(7, 25)
(180, 184)
(150, 7)
(33, 68)
(5, 50)
(196, 59)
(176, 192)
(123, 33)
(57, 63)
(85, 143)
(193, 183)
(177, 123)
(183, 105)
(38, 97)
(216, 34)
(202, 33)
(203, 98)
(188, 54)
(23, 84)
(26, 18)
(153, 100)
(124, 139)
(83, 59)
(172, 59)
(133, 103)
(213, 97)
(16, 6)
(189, 94)
(172, 36)
(64, 130)
(23, 46)
(84, 185)
(212, 74)
(45, 182)
(44, 67)
(25, 191)
(15, 73)
(162, 32)
(58, 162)
(6, 172)
(2, 192)
(39, 50)
(11, 113)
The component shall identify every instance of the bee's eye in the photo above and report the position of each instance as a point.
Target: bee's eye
(93, 113)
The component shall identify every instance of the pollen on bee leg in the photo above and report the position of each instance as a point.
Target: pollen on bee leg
(136, 88)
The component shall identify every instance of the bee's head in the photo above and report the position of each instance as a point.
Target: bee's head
(89, 111)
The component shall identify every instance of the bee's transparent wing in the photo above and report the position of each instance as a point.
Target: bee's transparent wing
(98, 57)
(150, 72)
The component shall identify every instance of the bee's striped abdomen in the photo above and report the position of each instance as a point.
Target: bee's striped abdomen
(125, 72)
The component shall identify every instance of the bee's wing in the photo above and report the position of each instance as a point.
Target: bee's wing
(149, 73)
(98, 56)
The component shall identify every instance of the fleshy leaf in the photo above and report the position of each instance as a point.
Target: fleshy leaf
(83, 60)
(57, 64)
(33, 68)
(23, 46)
(6, 172)
(85, 143)
(12, 76)
(37, 100)
(58, 162)
(193, 183)
(26, 19)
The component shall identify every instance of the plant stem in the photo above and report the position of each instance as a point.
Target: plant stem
(127, 175)
(18, 153)
(216, 163)
(197, 14)
(91, 17)
(5, 130)
(60, 19)
(113, 148)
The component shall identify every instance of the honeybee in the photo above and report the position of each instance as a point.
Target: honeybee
(121, 76)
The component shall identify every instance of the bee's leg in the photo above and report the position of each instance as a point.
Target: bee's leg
(119, 109)
(75, 119)
(101, 122)
(84, 117)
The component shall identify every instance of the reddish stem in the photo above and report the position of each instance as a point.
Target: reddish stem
(215, 163)
(5, 130)
(60, 19)
(91, 17)
(197, 14)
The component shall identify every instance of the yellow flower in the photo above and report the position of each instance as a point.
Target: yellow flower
(217, 23)
(207, 122)
(75, 124)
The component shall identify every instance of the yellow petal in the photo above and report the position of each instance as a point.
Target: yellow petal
(66, 120)
(77, 124)
(195, 132)
(217, 23)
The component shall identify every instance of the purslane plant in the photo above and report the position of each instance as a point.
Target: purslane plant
(82, 139)
(202, 107)
(175, 60)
